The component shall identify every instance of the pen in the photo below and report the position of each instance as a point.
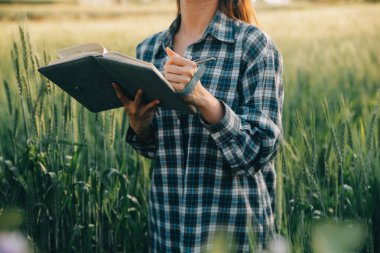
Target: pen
(198, 62)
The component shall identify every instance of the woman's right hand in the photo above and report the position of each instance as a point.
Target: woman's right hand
(140, 115)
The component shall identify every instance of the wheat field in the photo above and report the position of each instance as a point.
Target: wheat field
(75, 186)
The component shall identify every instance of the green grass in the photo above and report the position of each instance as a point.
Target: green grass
(82, 189)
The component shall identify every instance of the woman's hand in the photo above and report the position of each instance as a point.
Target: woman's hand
(179, 71)
(140, 115)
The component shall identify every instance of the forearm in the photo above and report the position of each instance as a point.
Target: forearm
(210, 107)
(245, 145)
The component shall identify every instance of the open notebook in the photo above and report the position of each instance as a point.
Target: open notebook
(86, 72)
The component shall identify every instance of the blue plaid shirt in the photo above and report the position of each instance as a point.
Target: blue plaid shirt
(211, 178)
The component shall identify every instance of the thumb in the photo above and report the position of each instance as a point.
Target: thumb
(170, 52)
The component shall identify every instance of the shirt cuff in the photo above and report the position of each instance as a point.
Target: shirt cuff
(227, 128)
(133, 139)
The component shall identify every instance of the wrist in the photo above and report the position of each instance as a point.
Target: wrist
(143, 134)
(211, 109)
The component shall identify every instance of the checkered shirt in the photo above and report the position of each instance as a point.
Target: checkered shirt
(212, 178)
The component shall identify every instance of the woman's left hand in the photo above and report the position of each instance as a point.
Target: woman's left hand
(179, 71)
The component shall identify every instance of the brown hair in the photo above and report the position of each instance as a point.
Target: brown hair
(236, 9)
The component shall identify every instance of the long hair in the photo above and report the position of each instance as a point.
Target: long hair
(236, 9)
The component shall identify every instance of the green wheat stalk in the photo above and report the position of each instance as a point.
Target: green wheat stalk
(16, 66)
(338, 151)
(8, 97)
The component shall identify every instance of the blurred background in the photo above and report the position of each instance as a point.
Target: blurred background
(69, 182)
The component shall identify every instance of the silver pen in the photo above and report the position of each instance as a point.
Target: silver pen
(198, 62)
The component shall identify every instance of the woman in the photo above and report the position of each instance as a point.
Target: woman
(213, 170)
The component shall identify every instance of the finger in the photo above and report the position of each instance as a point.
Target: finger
(175, 69)
(170, 52)
(178, 60)
(177, 78)
(150, 111)
(138, 98)
(120, 94)
(150, 107)
(178, 86)
(174, 84)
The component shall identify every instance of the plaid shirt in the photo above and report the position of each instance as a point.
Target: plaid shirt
(208, 178)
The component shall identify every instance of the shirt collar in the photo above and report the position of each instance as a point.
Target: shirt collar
(221, 27)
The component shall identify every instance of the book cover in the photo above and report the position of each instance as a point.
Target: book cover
(89, 79)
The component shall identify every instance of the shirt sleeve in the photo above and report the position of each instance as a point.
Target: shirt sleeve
(146, 148)
(249, 136)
